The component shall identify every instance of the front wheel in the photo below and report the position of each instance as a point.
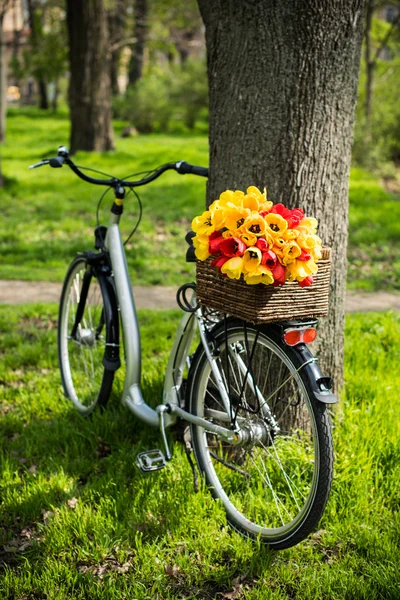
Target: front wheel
(82, 339)
(275, 483)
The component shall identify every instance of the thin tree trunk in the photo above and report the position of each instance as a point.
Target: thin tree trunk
(283, 87)
(3, 82)
(140, 34)
(90, 86)
(116, 16)
(43, 98)
(370, 69)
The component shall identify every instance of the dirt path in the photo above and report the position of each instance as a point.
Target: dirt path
(22, 292)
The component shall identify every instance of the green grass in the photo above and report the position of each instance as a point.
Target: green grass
(49, 215)
(79, 521)
(374, 234)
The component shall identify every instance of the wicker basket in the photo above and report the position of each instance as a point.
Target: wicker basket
(264, 303)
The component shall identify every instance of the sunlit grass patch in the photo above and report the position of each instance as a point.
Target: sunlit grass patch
(79, 521)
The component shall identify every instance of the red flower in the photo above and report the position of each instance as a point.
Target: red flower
(305, 256)
(307, 281)
(269, 259)
(279, 274)
(293, 217)
(279, 209)
(232, 247)
(262, 245)
(214, 243)
(219, 261)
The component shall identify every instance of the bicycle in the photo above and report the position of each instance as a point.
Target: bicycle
(254, 397)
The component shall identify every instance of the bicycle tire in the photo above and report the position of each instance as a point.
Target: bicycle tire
(85, 380)
(227, 468)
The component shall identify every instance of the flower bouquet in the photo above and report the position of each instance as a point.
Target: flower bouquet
(243, 240)
(251, 238)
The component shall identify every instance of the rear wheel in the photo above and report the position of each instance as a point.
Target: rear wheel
(275, 483)
(85, 379)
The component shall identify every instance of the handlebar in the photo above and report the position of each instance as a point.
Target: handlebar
(62, 158)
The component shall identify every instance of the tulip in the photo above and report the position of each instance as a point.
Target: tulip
(307, 281)
(233, 267)
(219, 261)
(232, 246)
(269, 259)
(279, 274)
(251, 259)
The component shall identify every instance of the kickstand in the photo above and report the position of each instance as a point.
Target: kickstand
(189, 450)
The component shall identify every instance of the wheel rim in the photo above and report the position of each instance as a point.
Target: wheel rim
(268, 485)
(81, 359)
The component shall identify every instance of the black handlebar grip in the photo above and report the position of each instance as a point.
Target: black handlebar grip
(185, 168)
(57, 162)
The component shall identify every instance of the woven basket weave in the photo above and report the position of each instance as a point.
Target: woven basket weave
(264, 303)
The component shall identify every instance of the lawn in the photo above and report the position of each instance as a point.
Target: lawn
(49, 215)
(79, 521)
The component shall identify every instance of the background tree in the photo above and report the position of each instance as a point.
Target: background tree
(46, 56)
(90, 82)
(283, 88)
(4, 5)
(117, 17)
(141, 9)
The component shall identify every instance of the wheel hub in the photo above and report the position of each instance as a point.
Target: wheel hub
(86, 336)
(256, 433)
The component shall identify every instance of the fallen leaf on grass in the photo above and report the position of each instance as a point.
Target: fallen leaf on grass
(72, 502)
(103, 449)
(110, 564)
(172, 571)
(32, 469)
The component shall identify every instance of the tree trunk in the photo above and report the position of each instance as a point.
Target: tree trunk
(43, 98)
(140, 34)
(370, 68)
(116, 17)
(90, 87)
(283, 87)
(3, 82)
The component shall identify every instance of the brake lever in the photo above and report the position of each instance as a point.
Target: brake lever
(46, 161)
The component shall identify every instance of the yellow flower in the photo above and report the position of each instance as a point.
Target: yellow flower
(235, 216)
(279, 242)
(276, 225)
(255, 224)
(308, 241)
(201, 250)
(290, 234)
(260, 275)
(233, 267)
(202, 225)
(248, 238)
(300, 270)
(251, 202)
(290, 251)
(308, 225)
(218, 216)
(230, 197)
(251, 259)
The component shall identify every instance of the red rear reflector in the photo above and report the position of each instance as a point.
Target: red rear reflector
(296, 336)
(309, 335)
(292, 337)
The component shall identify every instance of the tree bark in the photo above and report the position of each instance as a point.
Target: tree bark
(370, 68)
(3, 82)
(283, 87)
(90, 86)
(140, 34)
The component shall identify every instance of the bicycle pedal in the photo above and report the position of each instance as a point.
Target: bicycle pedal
(152, 460)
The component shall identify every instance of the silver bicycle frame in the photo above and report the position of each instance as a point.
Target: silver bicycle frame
(132, 394)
